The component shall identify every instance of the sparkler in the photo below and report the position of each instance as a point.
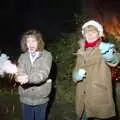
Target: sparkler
(6, 66)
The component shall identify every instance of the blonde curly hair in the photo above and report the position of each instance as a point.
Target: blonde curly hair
(33, 33)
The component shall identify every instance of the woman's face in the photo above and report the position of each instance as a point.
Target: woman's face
(91, 35)
(32, 44)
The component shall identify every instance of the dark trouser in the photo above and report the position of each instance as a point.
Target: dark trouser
(37, 112)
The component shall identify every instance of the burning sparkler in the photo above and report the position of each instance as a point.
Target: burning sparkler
(6, 66)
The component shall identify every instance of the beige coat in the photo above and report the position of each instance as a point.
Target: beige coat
(94, 93)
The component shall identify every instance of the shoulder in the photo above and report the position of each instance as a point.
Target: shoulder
(81, 43)
(46, 53)
(23, 56)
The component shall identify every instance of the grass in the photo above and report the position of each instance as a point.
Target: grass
(9, 106)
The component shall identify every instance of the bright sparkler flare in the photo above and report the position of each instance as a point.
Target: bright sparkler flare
(9, 68)
(14, 69)
(6, 66)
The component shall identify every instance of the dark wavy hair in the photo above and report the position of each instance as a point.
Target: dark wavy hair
(33, 33)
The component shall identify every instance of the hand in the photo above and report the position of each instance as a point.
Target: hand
(78, 75)
(22, 79)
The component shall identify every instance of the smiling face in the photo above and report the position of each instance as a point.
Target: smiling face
(32, 44)
(91, 33)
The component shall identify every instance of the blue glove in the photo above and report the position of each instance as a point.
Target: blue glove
(78, 75)
(104, 47)
(107, 51)
(109, 55)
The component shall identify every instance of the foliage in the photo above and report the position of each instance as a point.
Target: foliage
(111, 38)
(63, 105)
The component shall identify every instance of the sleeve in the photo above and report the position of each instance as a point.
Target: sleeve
(42, 73)
(78, 73)
(20, 69)
(21, 65)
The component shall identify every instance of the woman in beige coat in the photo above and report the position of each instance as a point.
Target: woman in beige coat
(92, 74)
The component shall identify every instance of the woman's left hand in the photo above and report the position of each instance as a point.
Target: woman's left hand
(22, 79)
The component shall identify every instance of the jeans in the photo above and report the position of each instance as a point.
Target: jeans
(37, 112)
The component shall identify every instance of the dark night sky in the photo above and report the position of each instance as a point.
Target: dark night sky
(50, 16)
(47, 15)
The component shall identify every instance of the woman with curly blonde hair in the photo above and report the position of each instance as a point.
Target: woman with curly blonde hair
(34, 66)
